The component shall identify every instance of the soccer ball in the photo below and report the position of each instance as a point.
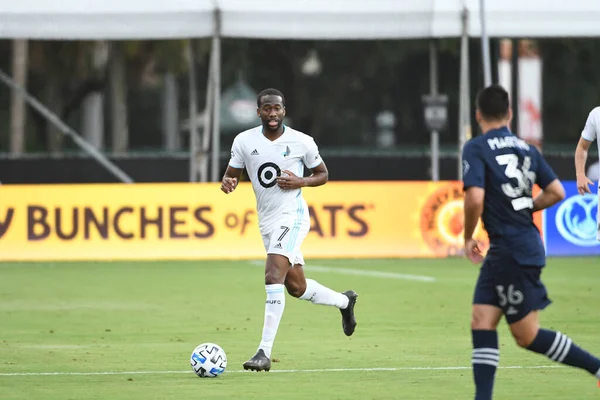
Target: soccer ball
(208, 360)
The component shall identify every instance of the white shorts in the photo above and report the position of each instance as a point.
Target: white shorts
(286, 237)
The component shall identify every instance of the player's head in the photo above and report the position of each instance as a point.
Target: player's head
(271, 109)
(493, 106)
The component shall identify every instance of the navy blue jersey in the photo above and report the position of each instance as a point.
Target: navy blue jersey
(507, 168)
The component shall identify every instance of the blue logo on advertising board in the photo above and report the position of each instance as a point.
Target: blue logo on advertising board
(571, 226)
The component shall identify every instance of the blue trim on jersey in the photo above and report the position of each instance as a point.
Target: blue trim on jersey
(296, 229)
(262, 130)
(236, 166)
(299, 217)
(313, 166)
(316, 165)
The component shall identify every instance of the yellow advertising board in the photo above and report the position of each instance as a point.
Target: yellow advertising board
(198, 221)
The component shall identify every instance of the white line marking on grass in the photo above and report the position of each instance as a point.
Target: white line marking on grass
(377, 274)
(362, 272)
(55, 346)
(282, 371)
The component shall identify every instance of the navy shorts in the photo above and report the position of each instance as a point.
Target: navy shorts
(514, 288)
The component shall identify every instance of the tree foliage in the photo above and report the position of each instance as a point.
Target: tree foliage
(338, 106)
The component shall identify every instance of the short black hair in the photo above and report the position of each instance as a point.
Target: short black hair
(269, 92)
(493, 102)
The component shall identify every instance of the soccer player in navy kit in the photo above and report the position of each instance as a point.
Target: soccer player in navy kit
(499, 171)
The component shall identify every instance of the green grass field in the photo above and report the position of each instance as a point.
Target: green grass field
(126, 331)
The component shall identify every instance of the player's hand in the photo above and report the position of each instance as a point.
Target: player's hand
(289, 181)
(472, 251)
(583, 184)
(228, 185)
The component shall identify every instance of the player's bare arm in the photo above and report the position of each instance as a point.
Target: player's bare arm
(509, 281)
(473, 208)
(230, 179)
(581, 155)
(288, 180)
(552, 194)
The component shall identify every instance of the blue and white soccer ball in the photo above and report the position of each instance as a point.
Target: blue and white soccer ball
(208, 360)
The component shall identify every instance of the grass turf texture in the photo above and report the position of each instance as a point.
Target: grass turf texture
(140, 321)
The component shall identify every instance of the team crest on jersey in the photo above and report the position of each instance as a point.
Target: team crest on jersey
(286, 152)
(466, 167)
(442, 223)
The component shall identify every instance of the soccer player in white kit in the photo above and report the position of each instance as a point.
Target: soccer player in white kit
(274, 156)
(588, 135)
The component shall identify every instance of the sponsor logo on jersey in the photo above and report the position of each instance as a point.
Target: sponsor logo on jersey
(267, 174)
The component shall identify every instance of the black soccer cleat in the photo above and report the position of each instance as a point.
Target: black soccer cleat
(260, 362)
(348, 320)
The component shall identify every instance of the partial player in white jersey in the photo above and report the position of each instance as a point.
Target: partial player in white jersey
(274, 157)
(590, 132)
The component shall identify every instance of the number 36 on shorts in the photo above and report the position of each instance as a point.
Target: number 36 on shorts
(509, 295)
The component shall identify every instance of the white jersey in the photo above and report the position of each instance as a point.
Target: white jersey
(264, 160)
(591, 132)
(592, 126)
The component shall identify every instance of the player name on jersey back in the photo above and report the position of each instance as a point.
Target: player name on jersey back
(507, 167)
(507, 142)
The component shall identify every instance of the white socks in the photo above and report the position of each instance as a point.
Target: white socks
(319, 294)
(275, 304)
(598, 374)
(273, 311)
